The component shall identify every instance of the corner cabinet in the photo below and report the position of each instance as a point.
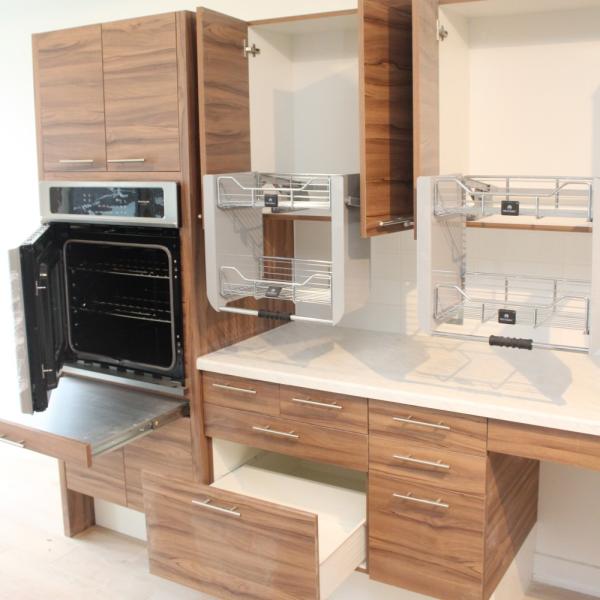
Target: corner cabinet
(107, 96)
(268, 105)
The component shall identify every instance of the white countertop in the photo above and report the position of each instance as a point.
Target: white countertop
(551, 389)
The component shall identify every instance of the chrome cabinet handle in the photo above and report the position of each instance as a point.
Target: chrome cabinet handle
(233, 511)
(334, 405)
(410, 420)
(232, 388)
(5, 440)
(410, 498)
(76, 161)
(267, 429)
(404, 221)
(126, 160)
(428, 463)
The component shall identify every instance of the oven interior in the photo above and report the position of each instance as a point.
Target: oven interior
(120, 302)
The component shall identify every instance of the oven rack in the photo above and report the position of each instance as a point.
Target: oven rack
(277, 278)
(132, 269)
(156, 311)
(537, 301)
(270, 190)
(538, 197)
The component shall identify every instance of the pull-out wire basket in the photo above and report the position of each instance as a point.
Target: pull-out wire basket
(298, 280)
(484, 196)
(533, 301)
(260, 190)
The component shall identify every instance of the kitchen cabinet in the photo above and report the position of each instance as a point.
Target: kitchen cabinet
(107, 96)
(70, 99)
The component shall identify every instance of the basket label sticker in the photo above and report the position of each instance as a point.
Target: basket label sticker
(271, 200)
(507, 317)
(273, 291)
(510, 208)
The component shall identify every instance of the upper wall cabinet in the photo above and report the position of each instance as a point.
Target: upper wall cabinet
(140, 94)
(70, 99)
(320, 93)
(107, 96)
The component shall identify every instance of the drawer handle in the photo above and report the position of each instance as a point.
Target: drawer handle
(76, 161)
(126, 160)
(232, 388)
(5, 440)
(438, 464)
(410, 498)
(412, 421)
(233, 512)
(334, 405)
(267, 429)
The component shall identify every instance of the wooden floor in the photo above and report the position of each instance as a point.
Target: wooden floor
(37, 561)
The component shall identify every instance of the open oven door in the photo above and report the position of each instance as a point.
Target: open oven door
(39, 306)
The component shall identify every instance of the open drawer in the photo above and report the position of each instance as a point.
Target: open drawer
(276, 528)
(87, 418)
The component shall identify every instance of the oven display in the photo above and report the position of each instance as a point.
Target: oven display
(108, 201)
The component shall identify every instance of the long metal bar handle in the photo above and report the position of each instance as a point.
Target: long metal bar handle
(285, 434)
(233, 511)
(126, 160)
(232, 388)
(428, 463)
(333, 405)
(5, 440)
(412, 421)
(410, 498)
(76, 161)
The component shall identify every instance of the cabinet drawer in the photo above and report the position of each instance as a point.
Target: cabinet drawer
(324, 408)
(167, 451)
(453, 471)
(257, 533)
(436, 428)
(238, 392)
(295, 438)
(425, 540)
(105, 479)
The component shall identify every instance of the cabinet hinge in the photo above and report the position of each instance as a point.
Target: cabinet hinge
(253, 50)
(441, 32)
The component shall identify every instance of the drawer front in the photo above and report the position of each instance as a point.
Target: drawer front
(166, 451)
(105, 479)
(241, 393)
(425, 540)
(286, 436)
(418, 545)
(414, 461)
(436, 428)
(228, 545)
(324, 408)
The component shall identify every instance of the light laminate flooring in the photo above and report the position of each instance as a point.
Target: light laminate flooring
(37, 561)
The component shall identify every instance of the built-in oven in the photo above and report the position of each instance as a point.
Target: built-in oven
(98, 287)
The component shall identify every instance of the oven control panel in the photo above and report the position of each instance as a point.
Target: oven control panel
(152, 203)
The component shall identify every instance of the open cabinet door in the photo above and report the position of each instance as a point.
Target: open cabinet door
(223, 93)
(385, 76)
(38, 278)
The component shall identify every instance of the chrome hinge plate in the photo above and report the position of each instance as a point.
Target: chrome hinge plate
(441, 32)
(250, 50)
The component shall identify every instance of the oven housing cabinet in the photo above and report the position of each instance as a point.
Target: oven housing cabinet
(104, 297)
(516, 309)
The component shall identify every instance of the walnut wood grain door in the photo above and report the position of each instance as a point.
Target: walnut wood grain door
(385, 77)
(140, 88)
(70, 99)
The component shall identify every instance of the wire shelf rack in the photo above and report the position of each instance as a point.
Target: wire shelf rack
(268, 190)
(277, 278)
(536, 301)
(157, 311)
(138, 268)
(484, 196)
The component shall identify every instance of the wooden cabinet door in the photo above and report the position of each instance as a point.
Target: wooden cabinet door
(385, 71)
(70, 99)
(140, 89)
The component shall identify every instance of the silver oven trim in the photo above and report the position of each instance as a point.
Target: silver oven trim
(108, 359)
(170, 219)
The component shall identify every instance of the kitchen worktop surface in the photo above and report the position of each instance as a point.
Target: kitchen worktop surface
(546, 388)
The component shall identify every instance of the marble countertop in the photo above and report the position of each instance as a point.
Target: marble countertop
(546, 388)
